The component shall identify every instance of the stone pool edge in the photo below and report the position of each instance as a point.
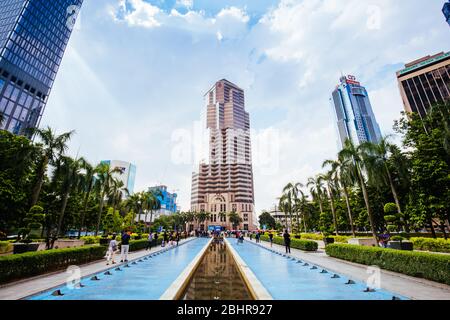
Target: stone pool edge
(177, 288)
(103, 269)
(257, 290)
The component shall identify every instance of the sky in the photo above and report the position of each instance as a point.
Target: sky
(132, 80)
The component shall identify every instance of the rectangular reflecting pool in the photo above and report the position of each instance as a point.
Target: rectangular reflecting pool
(217, 277)
(146, 278)
(287, 278)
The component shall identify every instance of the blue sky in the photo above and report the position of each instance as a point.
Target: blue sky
(135, 71)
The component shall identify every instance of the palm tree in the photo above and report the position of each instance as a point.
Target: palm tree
(300, 204)
(344, 170)
(356, 155)
(156, 197)
(67, 172)
(86, 184)
(133, 203)
(53, 146)
(202, 216)
(115, 192)
(235, 219)
(223, 216)
(330, 179)
(285, 205)
(317, 190)
(377, 162)
(290, 194)
(103, 183)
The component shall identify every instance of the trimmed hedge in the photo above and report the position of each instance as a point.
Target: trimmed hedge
(435, 267)
(18, 266)
(306, 245)
(427, 244)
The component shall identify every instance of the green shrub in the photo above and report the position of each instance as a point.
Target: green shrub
(18, 266)
(312, 236)
(429, 244)
(319, 237)
(341, 239)
(91, 239)
(5, 246)
(306, 245)
(435, 267)
(397, 238)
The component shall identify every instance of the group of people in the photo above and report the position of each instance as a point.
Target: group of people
(257, 237)
(124, 247)
(168, 239)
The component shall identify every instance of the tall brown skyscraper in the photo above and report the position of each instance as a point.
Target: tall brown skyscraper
(425, 82)
(225, 184)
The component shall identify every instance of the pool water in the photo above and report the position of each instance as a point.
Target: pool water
(145, 280)
(217, 277)
(288, 279)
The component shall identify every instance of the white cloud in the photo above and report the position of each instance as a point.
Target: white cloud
(189, 4)
(230, 23)
(131, 88)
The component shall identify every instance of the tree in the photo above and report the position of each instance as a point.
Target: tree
(235, 219)
(86, 184)
(53, 147)
(377, 164)
(18, 161)
(316, 189)
(427, 143)
(112, 221)
(343, 170)
(330, 180)
(103, 182)
(33, 220)
(66, 175)
(266, 219)
(357, 156)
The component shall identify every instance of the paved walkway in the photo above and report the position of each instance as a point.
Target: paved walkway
(24, 288)
(414, 288)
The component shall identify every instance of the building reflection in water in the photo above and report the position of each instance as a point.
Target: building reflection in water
(217, 277)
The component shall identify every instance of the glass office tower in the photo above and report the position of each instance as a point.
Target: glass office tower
(354, 115)
(446, 11)
(33, 37)
(425, 82)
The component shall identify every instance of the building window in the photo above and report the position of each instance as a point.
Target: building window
(245, 217)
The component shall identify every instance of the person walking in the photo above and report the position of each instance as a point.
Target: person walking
(165, 238)
(271, 239)
(125, 246)
(171, 238)
(287, 241)
(112, 248)
(149, 241)
(177, 238)
(257, 237)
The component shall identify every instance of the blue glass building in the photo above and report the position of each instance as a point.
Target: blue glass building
(354, 115)
(168, 200)
(446, 11)
(33, 37)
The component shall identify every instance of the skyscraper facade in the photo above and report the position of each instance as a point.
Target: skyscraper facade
(446, 11)
(353, 113)
(425, 82)
(33, 37)
(225, 184)
(127, 173)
